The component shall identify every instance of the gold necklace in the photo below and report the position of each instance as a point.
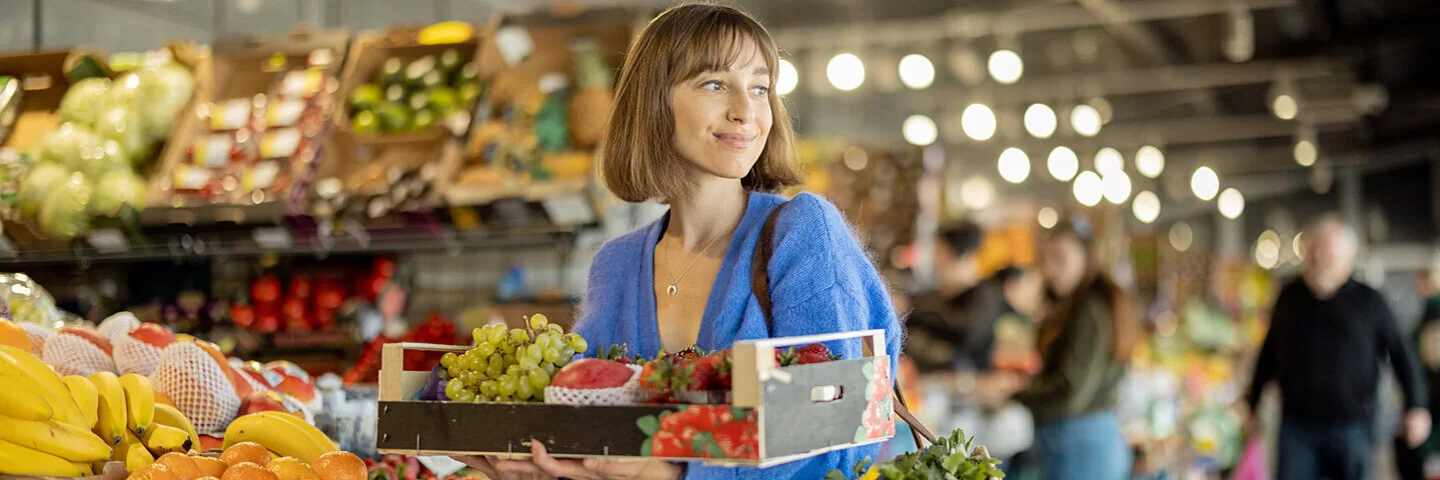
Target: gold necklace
(673, 288)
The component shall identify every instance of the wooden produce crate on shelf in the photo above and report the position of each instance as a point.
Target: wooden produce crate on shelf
(545, 40)
(782, 414)
(241, 67)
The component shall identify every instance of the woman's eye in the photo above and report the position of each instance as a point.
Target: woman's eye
(761, 90)
(713, 85)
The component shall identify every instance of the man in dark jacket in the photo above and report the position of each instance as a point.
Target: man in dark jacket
(1328, 335)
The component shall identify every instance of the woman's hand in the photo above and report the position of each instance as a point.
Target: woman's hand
(591, 468)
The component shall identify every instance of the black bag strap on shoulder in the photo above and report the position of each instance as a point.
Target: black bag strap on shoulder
(760, 285)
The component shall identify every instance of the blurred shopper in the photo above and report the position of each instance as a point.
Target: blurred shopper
(1410, 460)
(1085, 343)
(938, 327)
(1328, 335)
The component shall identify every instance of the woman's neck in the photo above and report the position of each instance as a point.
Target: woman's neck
(712, 208)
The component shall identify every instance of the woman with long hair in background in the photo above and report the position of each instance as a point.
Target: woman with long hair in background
(1085, 343)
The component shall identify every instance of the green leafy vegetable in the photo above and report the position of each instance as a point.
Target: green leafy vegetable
(949, 458)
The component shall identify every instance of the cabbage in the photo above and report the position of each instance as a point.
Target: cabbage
(124, 92)
(122, 125)
(98, 161)
(115, 190)
(163, 91)
(43, 178)
(63, 213)
(85, 100)
(68, 145)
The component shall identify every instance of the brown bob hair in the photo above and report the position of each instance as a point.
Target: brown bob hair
(639, 161)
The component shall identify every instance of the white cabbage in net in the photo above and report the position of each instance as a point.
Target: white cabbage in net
(71, 354)
(38, 334)
(627, 394)
(197, 386)
(134, 356)
(117, 326)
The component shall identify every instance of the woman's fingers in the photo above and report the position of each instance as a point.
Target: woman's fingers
(557, 467)
(483, 464)
(646, 470)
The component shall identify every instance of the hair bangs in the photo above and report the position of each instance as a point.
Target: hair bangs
(718, 42)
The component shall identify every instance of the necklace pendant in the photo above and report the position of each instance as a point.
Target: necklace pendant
(672, 289)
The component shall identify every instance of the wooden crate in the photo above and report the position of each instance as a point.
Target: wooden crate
(783, 413)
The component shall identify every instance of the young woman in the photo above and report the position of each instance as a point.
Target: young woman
(1085, 343)
(696, 126)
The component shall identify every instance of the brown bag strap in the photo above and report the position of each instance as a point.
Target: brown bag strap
(760, 285)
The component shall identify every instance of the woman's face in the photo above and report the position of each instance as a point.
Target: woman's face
(1062, 262)
(722, 118)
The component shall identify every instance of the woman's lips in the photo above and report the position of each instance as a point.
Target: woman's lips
(736, 140)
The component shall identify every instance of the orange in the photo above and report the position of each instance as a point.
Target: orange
(247, 471)
(340, 465)
(12, 335)
(210, 466)
(208, 478)
(180, 465)
(246, 452)
(291, 468)
(155, 471)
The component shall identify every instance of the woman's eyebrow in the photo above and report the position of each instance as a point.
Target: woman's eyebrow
(762, 71)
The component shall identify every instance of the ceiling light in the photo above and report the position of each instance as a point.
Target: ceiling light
(1204, 183)
(1089, 189)
(919, 130)
(1006, 66)
(1014, 165)
(1117, 187)
(1085, 120)
(976, 193)
(1231, 203)
(978, 121)
(916, 71)
(1146, 207)
(1285, 107)
(1181, 236)
(1150, 161)
(1048, 217)
(845, 71)
(1109, 160)
(1040, 121)
(1305, 153)
(1063, 164)
(787, 79)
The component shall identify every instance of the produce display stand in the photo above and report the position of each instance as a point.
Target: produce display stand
(789, 413)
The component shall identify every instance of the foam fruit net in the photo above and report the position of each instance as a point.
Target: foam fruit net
(134, 356)
(626, 394)
(200, 390)
(38, 334)
(118, 326)
(71, 355)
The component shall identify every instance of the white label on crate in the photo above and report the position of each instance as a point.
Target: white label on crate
(280, 143)
(441, 466)
(569, 210)
(272, 238)
(190, 178)
(107, 240)
(232, 115)
(514, 43)
(286, 113)
(260, 177)
(214, 151)
(294, 85)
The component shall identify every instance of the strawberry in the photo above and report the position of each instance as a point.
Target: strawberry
(690, 353)
(704, 373)
(814, 353)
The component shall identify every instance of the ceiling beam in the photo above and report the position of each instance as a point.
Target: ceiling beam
(966, 23)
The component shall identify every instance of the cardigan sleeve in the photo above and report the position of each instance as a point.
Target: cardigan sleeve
(823, 282)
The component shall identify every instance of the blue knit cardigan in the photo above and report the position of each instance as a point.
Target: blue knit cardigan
(821, 281)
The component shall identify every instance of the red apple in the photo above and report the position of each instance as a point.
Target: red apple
(329, 294)
(265, 290)
(91, 335)
(154, 334)
(301, 286)
(243, 315)
(267, 320)
(592, 373)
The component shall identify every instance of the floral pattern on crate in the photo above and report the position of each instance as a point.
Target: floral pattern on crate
(702, 431)
(879, 421)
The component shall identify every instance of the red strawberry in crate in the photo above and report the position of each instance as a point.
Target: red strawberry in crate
(814, 353)
(701, 374)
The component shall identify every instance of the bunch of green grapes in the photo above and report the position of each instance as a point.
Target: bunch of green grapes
(512, 365)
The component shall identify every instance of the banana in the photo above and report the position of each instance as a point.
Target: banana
(110, 416)
(59, 439)
(288, 437)
(170, 416)
(22, 402)
(163, 439)
(85, 395)
(120, 451)
(85, 469)
(19, 460)
(137, 457)
(139, 402)
(20, 367)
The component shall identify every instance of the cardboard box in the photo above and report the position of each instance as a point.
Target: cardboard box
(778, 414)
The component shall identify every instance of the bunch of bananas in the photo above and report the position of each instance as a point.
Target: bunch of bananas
(285, 434)
(70, 426)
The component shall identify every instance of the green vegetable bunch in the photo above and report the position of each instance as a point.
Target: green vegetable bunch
(947, 459)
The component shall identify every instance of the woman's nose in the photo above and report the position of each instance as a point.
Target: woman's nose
(740, 111)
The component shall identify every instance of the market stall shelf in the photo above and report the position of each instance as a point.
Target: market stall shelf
(774, 416)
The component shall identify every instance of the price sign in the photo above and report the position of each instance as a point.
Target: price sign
(273, 238)
(108, 240)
